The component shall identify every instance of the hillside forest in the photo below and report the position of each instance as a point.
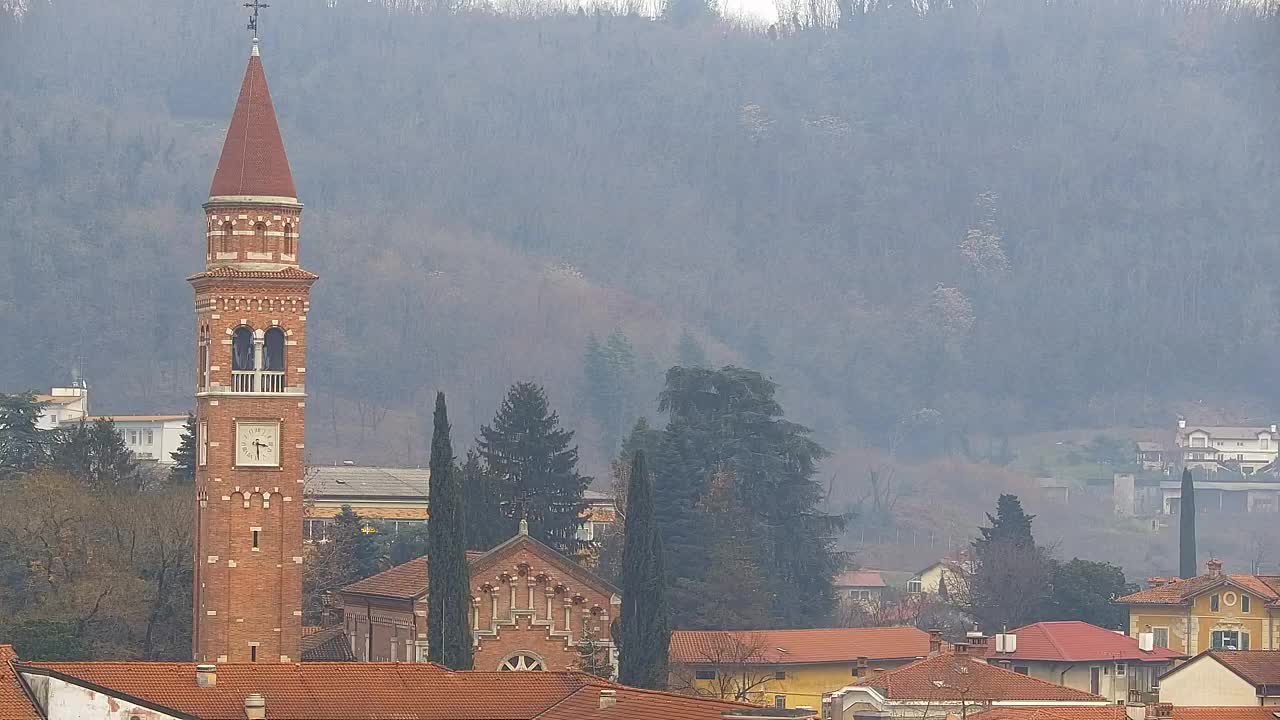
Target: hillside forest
(934, 228)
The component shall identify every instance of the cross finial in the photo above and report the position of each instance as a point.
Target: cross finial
(255, 6)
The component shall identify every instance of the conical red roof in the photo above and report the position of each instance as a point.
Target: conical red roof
(253, 161)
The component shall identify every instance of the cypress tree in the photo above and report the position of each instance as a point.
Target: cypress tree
(644, 636)
(448, 583)
(1187, 527)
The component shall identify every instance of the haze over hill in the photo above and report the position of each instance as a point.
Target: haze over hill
(1028, 216)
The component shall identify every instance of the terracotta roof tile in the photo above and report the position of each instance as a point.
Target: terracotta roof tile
(950, 676)
(405, 581)
(1256, 712)
(859, 578)
(378, 691)
(1076, 641)
(799, 646)
(1106, 712)
(1257, 667)
(253, 160)
(1180, 592)
(14, 702)
(326, 644)
(287, 272)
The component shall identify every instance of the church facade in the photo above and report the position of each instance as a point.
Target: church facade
(251, 304)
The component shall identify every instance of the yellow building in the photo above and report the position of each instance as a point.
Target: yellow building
(787, 668)
(1210, 611)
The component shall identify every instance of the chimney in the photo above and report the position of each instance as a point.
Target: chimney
(255, 706)
(1214, 567)
(935, 641)
(960, 648)
(1160, 711)
(206, 676)
(860, 669)
(1273, 428)
(1146, 641)
(1155, 582)
(608, 698)
(1182, 423)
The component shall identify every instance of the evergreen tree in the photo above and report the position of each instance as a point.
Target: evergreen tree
(593, 655)
(609, 373)
(487, 523)
(449, 583)
(364, 552)
(23, 445)
(536, 467)
(184, 458)
(1187, 527)
(1010, 585)
(643, 633)
(1084, 590)
(1011, 525)
(95, 453)
(729, 419)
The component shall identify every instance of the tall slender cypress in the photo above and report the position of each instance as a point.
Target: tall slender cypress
(1187, 527)
(448, 584)
(644, 636)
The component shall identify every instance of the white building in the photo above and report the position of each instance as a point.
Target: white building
(148, 437)
(63, 404)
(1231, 449)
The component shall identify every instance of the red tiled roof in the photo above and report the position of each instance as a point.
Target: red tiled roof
(405, 581)
(1090, 712)
(326, 644)
(1256, 667)
(859, 578)
(1180, 592)
(14, 702)
(1255, 712)
(1077, 641)
(253, 160)
(288, 272)
(378, 691)
(776, 647)
(955, 677)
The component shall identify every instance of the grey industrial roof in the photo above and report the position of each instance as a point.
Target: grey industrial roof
(359, 481)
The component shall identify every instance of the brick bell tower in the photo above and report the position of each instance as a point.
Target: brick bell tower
(251, 304)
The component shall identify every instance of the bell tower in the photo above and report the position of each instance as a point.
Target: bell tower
(251, 305)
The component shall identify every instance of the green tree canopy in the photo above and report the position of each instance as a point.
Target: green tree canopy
(449, 582)
(184, 458)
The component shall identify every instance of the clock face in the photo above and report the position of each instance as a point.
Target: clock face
(258, 444)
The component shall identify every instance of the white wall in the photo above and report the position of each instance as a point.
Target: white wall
(61, 700)
(1204, 681)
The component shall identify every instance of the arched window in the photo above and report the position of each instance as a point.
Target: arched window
(260, 238)
(228, 236)
(202, 372)
(242, 349)
(288, 239)
(522, 661)
(273, 350)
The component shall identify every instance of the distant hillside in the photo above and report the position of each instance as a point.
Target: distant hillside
(1039, 215)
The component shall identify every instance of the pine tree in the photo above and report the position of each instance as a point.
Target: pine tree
(689, 353)
(95, 453)
(486, 522)
(1187, 527)
(23, 445)
(449, 584)
(643, 632)
(728, 418)
(536, 468)
(1011, 525)
(364, 552)
(184, 458)
(1010, 586)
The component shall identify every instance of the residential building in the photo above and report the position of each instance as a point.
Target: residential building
(944, 575)
(1151, 456)
(63, 404)
(1209, 611)
(1086, 657)
(1237, 450)
(530, 609)
(949, 684)
(1225, 678)
(864, 587)
(152, 438)
(331, 691)
(786, 668)
(252, 305)
(1109, 712)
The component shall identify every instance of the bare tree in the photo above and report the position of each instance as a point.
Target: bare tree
(740, 663)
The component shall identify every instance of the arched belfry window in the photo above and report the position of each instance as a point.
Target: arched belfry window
(242, 349)
(260, 238)
(288, 239)
(273, 350)
(228, 235)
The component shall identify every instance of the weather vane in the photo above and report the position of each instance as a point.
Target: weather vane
(255, 5)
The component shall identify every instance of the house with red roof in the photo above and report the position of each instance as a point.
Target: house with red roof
(1214, 610)
(333, 691)
(1086, 657)
(1239, 678)
(788, 668)
(956, 683)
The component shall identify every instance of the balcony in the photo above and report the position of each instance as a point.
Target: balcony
(261, 381)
